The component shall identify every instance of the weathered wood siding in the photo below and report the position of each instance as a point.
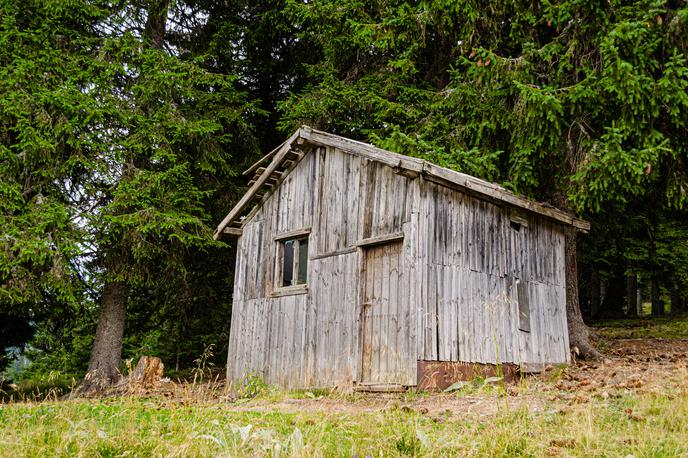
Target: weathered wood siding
(313, 339)
(460, 262)
(471, 260)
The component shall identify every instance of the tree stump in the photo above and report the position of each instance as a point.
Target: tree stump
(147, 374)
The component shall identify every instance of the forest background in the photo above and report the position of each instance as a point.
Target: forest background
(125, 125)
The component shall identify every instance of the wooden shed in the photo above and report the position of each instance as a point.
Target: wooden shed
(359, 267)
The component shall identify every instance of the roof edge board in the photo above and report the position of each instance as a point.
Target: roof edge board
(256, 164)
(246, 198)
(398, 161)
(502, 194)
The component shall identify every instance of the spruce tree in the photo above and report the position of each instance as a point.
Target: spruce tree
(114, 150)
(580, 104)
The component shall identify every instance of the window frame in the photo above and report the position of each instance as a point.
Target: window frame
(297, 236)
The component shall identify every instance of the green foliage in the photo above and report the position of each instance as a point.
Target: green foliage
(257, 40)
(49, 386)
(535, 99)
(44, 157)
(580, 104)
(110, 159)
(657, 328)
(119, 153)
(252, 385)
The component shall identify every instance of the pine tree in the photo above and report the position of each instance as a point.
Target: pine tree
(46, 155)
(113, 150)
(174, 126)
(579, 104)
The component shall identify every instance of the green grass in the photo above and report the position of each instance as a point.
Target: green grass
(644, 328)
(649, 424)
(648, 421)
(50, 386)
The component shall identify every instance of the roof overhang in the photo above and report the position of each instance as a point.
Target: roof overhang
(271, 169)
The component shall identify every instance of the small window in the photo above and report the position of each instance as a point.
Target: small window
(294, 255)
(523, 306)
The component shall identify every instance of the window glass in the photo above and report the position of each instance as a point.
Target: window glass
(302, 276)
(294, 262)
(288, 265)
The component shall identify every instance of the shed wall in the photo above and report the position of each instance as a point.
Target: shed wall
(312, 339)
(471, 261)
(461, 262)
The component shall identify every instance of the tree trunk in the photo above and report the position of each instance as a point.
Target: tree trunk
(595, 297)
(612, 305)
(641, 307)
(584, 280)
(579, 334)
(676, 300)
(103, 368)
(657, 305)
(156, 23)
(632, 294)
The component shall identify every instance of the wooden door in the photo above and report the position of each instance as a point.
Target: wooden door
(385, 318)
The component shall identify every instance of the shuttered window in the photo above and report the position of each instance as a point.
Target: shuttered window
(523, 306)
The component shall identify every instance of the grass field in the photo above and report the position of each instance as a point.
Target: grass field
(633, 403)
(644, 328)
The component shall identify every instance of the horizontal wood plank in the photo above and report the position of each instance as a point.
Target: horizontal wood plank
(233, 231)
(289, 290)
(293, 234)
(329, 254)
(380, 239)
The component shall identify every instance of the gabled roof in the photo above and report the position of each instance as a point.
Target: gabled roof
(270, 170)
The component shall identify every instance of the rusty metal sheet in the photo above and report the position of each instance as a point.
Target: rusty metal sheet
(438, 375)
